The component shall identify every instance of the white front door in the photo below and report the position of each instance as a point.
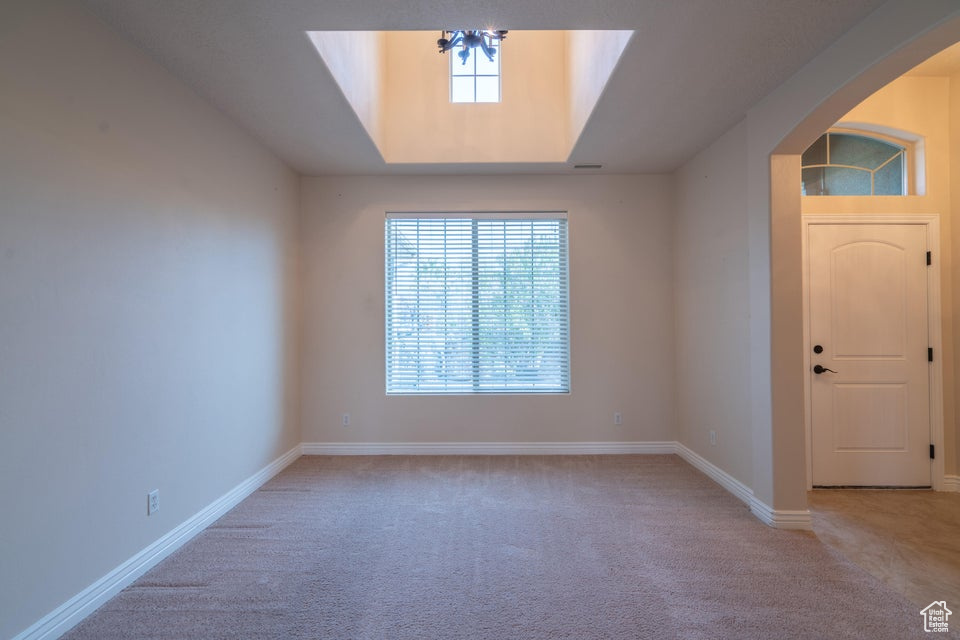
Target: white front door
(868, 331)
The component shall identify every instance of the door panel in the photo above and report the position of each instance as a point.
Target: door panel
(867, 300)
(869, 417)
(868, 311)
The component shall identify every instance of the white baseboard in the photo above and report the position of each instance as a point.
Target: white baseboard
(951, 483)
(715, 473)
(482, 448)
(781, 519)
(67, 615)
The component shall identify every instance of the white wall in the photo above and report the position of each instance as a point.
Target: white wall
(620, 297)
(147, 264)
(711, 297)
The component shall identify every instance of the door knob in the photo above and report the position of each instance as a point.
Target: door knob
(817, 369)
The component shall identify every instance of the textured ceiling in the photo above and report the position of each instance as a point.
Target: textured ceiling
(692, 70)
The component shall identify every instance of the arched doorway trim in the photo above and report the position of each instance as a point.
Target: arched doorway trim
(896, 37)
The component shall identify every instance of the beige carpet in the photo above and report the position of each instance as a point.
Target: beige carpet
(580, 547)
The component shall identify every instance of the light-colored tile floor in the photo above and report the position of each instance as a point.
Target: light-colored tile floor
(910, 540)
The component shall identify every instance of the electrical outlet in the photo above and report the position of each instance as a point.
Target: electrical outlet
(153, 502)
(345, 419)
(617, 417)
(713, 437)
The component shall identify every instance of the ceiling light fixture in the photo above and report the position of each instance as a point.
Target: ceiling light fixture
(482, 38)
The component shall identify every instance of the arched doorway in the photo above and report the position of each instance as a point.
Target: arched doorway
(895, 38)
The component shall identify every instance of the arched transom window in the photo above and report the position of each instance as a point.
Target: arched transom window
(847, 164)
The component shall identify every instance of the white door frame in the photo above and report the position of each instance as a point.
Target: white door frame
(934, 328)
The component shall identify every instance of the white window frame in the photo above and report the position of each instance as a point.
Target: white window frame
(455, 61)
(485, 376)
(913, 150)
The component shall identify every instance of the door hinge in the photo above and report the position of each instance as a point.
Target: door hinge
(929, 354)
(929, 259)
(932, 452)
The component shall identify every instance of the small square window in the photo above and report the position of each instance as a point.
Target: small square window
(477, 79)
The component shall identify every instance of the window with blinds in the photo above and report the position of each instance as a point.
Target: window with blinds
(477, 303)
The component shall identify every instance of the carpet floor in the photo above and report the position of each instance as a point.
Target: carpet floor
(500, 548)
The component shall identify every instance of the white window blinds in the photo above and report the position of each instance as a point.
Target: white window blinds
(477, 303)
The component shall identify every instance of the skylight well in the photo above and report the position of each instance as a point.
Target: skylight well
(532, 104)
